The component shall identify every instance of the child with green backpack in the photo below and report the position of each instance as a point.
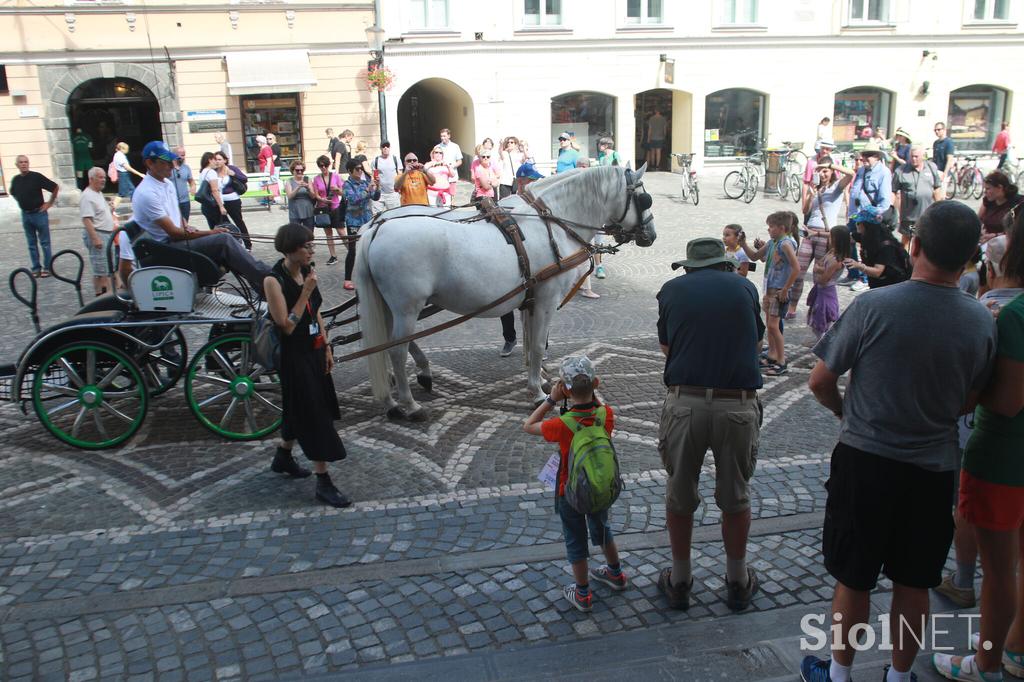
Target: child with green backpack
(588, 480)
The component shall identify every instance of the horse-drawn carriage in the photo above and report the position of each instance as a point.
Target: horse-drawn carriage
(90, 379)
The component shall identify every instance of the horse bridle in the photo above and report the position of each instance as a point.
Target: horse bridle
(638, 198)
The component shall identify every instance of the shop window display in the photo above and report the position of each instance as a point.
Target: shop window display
(734, 122)
(277, 114)
(975, 115)
(859, 112)
(586, 115)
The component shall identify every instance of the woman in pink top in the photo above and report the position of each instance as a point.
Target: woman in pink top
(326, 191)
(439, 194)
(265, 158)
(485, 178)
(487, 144)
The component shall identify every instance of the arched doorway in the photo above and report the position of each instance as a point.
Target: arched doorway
(976, 113)
(587, 116)
(676, 108)
(734, 122)
(426, 108)
(105, 111)
(859, 113)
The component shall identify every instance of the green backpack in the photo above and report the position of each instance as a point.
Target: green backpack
(594, 481)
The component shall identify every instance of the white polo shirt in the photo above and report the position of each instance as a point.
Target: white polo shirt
(155, 199)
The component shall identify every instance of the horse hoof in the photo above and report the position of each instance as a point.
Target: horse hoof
(420, 415)
(395, 413)
(546, 387)
(426, 382)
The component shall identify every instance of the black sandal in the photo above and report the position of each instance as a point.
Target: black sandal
(775, 370)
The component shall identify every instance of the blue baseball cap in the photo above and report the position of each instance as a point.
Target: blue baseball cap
(158, 150)
(867, 214)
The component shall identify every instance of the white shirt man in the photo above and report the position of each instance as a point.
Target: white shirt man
(452, 151)
(98, 225)
(385, 168)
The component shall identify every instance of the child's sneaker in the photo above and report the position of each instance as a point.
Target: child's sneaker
(1013, 662)
(604, 575)
(581, 603)
(961, 668)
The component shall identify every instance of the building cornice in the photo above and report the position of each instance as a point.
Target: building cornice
(176, 54)
(661, 43)
(182, 8)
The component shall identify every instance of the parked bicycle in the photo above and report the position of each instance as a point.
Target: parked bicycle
(965, 180)
(690, 190)
(744, 183)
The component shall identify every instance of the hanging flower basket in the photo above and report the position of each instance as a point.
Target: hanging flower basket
(379, 78)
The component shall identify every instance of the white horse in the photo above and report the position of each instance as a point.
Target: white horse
(408, 258)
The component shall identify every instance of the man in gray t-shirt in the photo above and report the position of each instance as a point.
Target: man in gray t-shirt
(918, 353)
(914, 185)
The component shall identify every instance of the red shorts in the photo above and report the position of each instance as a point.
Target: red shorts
(993, 506)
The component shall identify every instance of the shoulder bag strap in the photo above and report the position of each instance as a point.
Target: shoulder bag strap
(821, 207)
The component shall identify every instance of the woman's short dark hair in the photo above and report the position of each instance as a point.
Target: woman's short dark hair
(222, 155)
(204, 160)
(606, 142)
(296, 162)
(292, 237)
(352, 165)
(1000, 179)
(322, 160)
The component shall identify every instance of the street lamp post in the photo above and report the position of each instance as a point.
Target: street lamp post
(375, 41)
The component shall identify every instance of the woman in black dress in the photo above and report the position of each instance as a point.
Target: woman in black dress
(310, 403)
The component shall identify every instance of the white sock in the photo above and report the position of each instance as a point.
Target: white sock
(895, 676)
(838, 673)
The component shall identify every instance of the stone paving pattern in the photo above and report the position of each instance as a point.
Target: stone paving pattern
(180, 510)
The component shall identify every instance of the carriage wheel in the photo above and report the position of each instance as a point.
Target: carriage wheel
(90, 395)
(230, 393)
(163, 366)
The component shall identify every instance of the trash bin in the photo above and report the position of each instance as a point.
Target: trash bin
(773, 169)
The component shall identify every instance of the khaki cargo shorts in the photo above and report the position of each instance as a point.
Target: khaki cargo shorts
(690, 426)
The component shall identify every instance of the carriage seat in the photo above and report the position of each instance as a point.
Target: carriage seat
(150, 252)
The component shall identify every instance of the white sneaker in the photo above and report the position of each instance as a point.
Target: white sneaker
(859, 286)
(1013, 663)
(958, 668)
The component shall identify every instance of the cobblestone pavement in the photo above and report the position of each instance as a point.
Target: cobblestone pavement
(180, 556)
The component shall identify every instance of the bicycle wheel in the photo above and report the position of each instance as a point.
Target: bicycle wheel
(796, 187)
(684, 189)
(734, 185)
(751, 179)
(966, 184)
(951, 186)
(979, 184)
(782, 184)
(796, 162)
(695, 193)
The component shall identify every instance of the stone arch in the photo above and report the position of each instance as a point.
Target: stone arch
(60, 80)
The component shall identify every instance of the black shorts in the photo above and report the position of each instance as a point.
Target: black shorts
(885, 516)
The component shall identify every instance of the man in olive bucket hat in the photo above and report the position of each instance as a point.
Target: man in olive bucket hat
(709, 326)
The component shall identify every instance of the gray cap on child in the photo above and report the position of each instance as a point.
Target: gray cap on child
(574, 366)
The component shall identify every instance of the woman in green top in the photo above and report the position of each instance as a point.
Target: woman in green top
(992, 492)
(606, 154)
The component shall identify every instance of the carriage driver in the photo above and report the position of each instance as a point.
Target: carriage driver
(155, 205)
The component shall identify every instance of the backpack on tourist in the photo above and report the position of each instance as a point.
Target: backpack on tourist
(594, 480)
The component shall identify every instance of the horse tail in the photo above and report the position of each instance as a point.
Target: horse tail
(373, 318)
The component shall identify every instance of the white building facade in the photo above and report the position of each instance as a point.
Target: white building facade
(725, 73)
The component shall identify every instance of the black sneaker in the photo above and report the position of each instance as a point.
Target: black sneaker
(738, 597)
(284, 463)
(848, 280)
(506, 350)
(328, 494)
(333, 260)
(678, 597)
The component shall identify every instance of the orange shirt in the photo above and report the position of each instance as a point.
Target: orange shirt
(555, 431)
(414, 189)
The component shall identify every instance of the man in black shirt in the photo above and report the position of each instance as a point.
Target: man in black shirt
(27, 189)
(709, 326)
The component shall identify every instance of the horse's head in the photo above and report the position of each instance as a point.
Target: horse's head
(636, 223)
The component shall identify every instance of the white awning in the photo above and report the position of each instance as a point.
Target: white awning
(267, 72)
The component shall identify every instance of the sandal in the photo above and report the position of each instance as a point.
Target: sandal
(775, 370)
(349, 285)
(44, 274)
(589, 294)
(766, 361)
(36, 274)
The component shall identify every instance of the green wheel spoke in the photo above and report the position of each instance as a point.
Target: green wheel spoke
(63, 406)
(250, 416)
(79, 418)
(116, 412)
(72, 374)
(61, 390)
(224, 363)
(229, 413)
(90, 366)
(117, 371)
(98, 420)
(212, 379)
(266, 402)
(215, 398)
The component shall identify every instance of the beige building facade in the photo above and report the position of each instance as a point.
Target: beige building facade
(80, 76)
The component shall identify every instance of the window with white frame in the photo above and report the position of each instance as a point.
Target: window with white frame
(542, 12)
(739, 12)
(990, 10)
(869, 11)
(644, 12)
(426, 14)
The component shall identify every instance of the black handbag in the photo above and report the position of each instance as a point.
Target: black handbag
(322, 217)
(203, 194)
(239, 181)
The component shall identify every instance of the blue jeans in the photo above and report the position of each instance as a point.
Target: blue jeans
(575, 527)
(37, 227)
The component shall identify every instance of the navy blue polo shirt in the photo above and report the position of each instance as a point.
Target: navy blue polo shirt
(711, 322)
